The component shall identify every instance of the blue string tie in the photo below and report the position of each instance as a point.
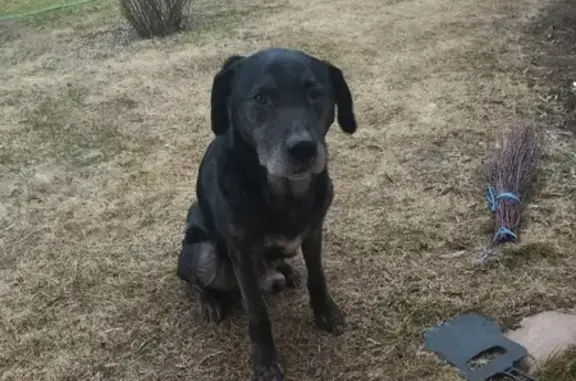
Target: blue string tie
(494, 198)
(504, 233)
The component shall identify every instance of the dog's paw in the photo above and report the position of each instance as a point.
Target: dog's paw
(330, 318)
(271, 372)
(211, 308)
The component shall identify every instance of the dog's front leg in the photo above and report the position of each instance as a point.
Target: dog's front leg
(264, 355)
(327, 314)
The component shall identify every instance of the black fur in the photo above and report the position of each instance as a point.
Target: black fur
(263, 187)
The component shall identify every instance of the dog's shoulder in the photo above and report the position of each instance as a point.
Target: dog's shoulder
(215, 156)
(223, 179)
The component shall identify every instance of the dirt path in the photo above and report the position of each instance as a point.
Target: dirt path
(101, 139)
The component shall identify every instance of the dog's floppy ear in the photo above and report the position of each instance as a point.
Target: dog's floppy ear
(219, 117)
(346, 118)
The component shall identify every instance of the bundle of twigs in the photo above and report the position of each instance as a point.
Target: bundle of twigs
(510, 175)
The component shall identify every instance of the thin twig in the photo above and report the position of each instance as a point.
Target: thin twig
(205, 358)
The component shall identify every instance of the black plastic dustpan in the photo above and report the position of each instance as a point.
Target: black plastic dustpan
(462, 339)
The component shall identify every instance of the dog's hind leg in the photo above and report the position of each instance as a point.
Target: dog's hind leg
(207, 272)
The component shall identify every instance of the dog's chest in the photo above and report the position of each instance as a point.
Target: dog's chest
(282, 246)
(285, 221)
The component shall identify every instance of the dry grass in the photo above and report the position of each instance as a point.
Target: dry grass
(102, 135)
(559, 368)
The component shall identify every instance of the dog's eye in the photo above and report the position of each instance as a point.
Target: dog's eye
(314, 94)
(261, 99)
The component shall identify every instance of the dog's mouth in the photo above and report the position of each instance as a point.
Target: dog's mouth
(283, 164)
(295, 172)
(299, 176)
(297, 169)
(302, 170)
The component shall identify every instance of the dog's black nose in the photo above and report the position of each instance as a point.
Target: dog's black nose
(302, 149)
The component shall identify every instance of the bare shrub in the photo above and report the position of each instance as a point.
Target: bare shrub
(154, 18)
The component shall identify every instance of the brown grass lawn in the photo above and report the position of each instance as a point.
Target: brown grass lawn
(100, 139)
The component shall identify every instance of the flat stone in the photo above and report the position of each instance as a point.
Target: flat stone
(544, 335)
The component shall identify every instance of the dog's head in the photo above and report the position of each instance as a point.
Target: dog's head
(282, 102)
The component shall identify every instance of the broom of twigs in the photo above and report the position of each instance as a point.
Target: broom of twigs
(510, 175)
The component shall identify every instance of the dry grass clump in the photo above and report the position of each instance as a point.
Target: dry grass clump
(154, 18)
(559, 368)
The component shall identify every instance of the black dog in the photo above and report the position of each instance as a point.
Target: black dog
(263, 188)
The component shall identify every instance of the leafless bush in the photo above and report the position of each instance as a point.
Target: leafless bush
(154, 18)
